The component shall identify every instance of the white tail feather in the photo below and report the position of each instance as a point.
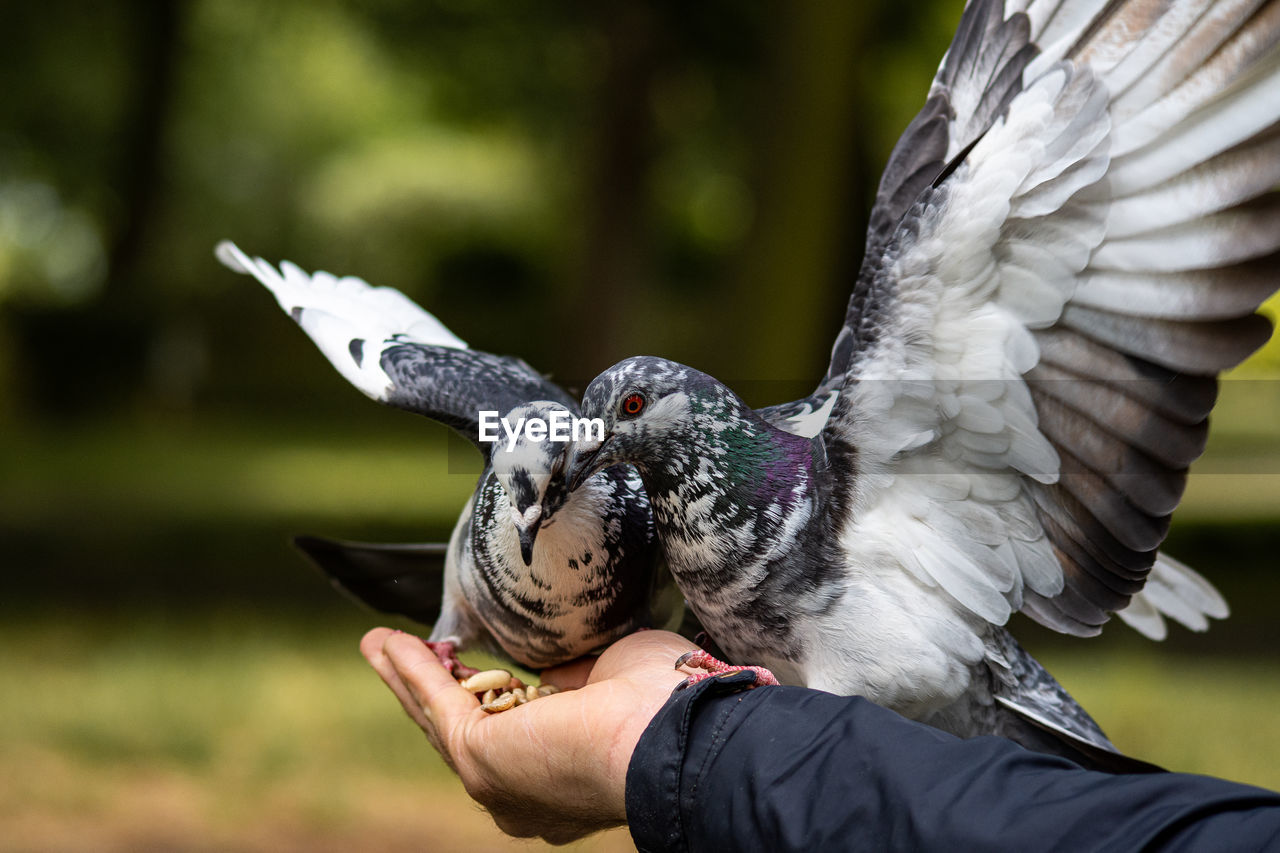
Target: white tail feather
(1142, 616)
(1175, 590)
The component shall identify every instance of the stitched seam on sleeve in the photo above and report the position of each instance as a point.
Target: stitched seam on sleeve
(683, 745)
(716, 742)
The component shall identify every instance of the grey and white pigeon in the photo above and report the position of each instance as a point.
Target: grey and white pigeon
(593, 577)
(1068, 244)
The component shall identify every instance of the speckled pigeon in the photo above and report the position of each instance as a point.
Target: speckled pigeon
(1068, 244)
(592, 577)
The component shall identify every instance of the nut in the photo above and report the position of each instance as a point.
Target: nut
(489, 696)
(503, 703)
(531, 693)
(490, 679)
(547, 689)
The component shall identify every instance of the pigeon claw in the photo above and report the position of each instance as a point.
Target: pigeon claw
(447, 652)
(713, 667)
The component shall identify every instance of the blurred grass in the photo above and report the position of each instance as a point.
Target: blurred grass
(1211, 715)
(1238, 478)
(216, 730)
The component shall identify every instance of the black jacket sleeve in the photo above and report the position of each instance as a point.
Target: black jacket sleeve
(785, 768)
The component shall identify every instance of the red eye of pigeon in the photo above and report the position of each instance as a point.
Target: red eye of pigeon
(632, 405)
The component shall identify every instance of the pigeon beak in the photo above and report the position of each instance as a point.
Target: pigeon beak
(527, 537)
(586, 463)
(527, 524)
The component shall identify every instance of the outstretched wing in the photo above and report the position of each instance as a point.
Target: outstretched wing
(392, 350)
(1051, 287)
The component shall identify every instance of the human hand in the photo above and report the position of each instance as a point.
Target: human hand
(555, 767)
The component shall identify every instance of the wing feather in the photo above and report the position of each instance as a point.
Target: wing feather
(393, 351)
(1233, 177)
(1153, 486)
(1045, 319)
(1114, 408)
(1200, 348)
(1181, 397)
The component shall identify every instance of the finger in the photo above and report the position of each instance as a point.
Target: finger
(371, 642)
(436, 692)
(371, 647)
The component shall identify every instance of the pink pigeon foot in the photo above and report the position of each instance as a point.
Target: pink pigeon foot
(713, 666)
(447, 652)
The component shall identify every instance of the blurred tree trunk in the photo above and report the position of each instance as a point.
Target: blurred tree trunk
(117, 327)
(796, 270)
(614, 264)
(143, 125)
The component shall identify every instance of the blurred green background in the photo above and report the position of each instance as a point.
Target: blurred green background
(573, 183)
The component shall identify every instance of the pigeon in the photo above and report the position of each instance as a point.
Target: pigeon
(596, 574)
(1069, 243)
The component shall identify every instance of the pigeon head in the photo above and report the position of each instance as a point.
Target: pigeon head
(651, 407)
(530, 467)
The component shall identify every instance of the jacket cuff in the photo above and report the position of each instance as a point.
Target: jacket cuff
(657, 793)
